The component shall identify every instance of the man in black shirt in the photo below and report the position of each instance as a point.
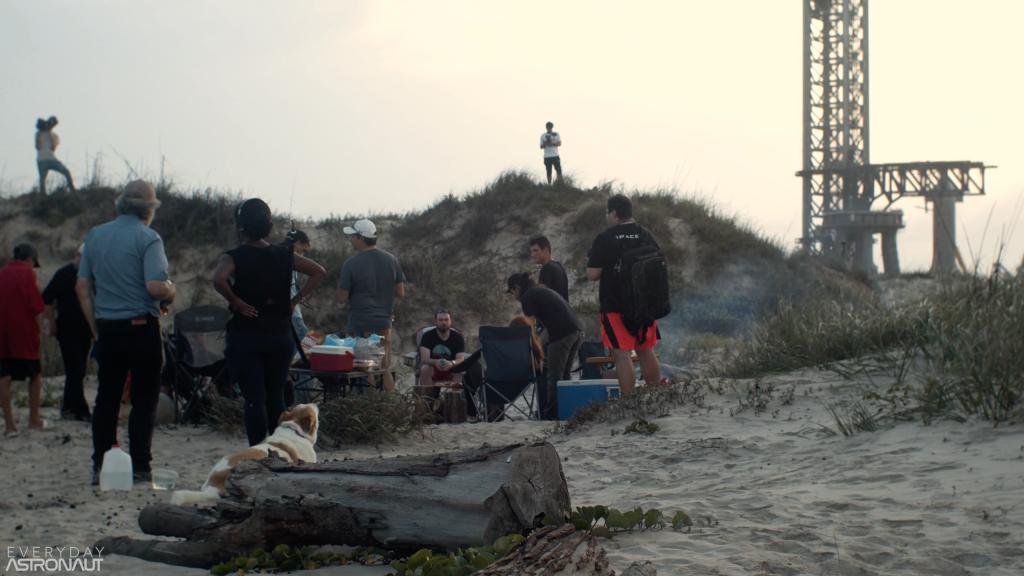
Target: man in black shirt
(552, 275)
(73, 333)
(440, 349)
(618, 333)
(563, 331)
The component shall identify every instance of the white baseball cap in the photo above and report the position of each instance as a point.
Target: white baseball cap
(364, 228)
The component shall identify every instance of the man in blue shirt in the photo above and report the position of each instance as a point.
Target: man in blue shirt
(124, 265)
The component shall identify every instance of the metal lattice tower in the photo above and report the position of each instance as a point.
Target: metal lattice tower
(839, 181)
(836, 124)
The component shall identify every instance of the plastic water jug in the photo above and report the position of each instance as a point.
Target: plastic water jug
(116, 473)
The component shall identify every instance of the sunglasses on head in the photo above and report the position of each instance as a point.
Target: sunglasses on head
(441, 311)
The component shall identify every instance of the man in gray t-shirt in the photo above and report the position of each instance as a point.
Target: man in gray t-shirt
(370, 282)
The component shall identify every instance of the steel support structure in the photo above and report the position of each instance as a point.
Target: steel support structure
(839, 182)
(836, 127)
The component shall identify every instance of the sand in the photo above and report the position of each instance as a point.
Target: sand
(769, 493)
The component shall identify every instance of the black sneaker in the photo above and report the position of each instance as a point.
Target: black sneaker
(142, 477)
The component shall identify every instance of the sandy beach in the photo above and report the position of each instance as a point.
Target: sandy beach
(770, 493)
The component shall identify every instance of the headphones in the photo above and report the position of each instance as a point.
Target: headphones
(238, 215)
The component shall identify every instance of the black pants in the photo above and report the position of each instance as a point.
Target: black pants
(259, 363)
(127, 347)
(553, 161)
(74, 350)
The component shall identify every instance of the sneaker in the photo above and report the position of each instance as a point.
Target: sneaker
(142, 477)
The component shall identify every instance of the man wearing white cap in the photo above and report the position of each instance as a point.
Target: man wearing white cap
(370, 282)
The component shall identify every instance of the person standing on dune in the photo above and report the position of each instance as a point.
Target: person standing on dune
(550, 141)
(46, 159)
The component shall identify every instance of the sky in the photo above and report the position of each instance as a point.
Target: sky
(326, 107)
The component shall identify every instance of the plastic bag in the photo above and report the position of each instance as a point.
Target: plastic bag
(339, 339)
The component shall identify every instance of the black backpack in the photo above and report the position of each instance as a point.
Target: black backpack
(643, 276)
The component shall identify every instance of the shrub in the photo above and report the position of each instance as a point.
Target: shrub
(968, 334)
(370, 418)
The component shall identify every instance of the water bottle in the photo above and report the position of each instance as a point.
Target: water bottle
(116, 473)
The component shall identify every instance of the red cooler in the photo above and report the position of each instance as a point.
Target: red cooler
(331, 358)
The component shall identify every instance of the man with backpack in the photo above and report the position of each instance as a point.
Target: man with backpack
(628, 313)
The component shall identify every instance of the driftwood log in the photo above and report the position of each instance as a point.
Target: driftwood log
(437, 501)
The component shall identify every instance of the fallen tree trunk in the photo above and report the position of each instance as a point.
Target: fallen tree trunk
(438, 501)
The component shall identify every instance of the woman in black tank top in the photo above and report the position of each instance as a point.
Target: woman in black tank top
(256, 280)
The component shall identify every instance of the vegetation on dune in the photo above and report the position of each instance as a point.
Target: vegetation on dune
(772, 311)
(964, 337)
(457, 252)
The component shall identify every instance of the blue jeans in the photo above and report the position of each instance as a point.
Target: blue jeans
(300, 327)
(259, 365)
(45, 166)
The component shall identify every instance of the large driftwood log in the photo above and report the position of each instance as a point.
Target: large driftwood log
(439, 501)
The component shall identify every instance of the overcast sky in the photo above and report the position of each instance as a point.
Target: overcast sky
(386, 106)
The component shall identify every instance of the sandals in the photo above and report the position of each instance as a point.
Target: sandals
(13, 434)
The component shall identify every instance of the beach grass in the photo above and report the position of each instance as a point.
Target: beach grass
(964, 337)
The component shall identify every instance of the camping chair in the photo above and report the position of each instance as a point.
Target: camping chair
(412, 359)
(509, 374)
(588, 370)
(195, 361)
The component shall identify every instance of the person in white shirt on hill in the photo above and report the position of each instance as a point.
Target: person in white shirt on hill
(549, 142)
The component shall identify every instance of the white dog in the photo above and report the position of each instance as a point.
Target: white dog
(293, 440)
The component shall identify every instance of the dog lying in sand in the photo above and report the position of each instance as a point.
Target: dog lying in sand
(293, 440)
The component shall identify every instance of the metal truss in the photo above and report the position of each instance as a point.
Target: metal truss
(836, 126)
(890, 182)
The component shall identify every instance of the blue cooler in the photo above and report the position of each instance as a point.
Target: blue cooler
(575, 394)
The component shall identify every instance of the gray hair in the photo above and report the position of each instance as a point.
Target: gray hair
(138, 198)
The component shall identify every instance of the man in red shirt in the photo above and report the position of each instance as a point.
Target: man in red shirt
(20, 307)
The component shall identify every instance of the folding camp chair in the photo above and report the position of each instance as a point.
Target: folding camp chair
(194, 359)
(510, 377)
(412, 359)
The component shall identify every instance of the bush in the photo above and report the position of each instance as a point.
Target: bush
(968, 334)
(370, 418)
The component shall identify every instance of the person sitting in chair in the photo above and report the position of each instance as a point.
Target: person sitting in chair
(440, 350)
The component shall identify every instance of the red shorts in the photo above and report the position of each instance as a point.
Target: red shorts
(440, 376)
(615, 336)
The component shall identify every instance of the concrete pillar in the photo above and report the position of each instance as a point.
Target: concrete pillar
(862, 243)
(890, 257)
(944, 233)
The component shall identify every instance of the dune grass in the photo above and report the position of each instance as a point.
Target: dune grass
(965, 338)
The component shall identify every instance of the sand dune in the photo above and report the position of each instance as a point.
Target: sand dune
(770, 493)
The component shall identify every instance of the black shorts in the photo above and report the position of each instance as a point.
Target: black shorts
(19, 368)
(553, 161)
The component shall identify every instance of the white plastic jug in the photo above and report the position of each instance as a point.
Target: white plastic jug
(116, 473)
